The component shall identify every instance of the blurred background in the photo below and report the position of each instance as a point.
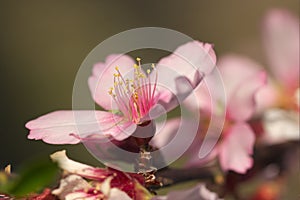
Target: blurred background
(43, 44)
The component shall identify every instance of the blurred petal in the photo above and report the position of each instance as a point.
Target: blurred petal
(102, 78)
(266, 96)
(195, 161)
(241, 104)
(237, 148)
(165, 133)
(235, 69)
(199, 192)
(280, 126)
(67, 127)
(281, 39)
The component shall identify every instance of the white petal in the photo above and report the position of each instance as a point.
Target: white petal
(280, 126)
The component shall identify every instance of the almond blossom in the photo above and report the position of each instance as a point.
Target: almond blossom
(235, 147)
(131, 96)
(279, 100)
(87, 182)
(82, 181)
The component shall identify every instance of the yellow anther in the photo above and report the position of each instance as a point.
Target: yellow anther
(138, 59)
(140, 75)
(153, 66)
(148, 71)
(98, 186)
(116, 75)
(110, 91)
(135, 66)
(117, 68)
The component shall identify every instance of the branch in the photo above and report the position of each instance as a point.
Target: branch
(170, 176)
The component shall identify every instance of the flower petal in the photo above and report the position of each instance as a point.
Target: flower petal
(235, 69)
(280, 126)
(67, 127)
(241, 104)
(235, 150)
(165, 133)
(267, 96)
(281, 39)
(70, 184)
(182, 71)
(190, 57)
(116, 194)
(80, 169)
(102, 78)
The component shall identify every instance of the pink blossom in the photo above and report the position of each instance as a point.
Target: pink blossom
(130, 96)
(281, 39)
(279, 100)
(235, 148)
(87, 182)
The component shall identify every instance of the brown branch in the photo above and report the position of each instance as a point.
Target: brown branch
(170, 176)
(263, 156)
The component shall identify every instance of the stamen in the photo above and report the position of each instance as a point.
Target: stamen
(134, 97)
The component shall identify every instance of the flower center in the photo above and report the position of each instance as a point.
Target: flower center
(134, 97)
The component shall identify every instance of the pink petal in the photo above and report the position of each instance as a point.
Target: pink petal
(209, 97)
(182, 71)
(241, 104)
(116, 194)
(189, 57)
(195, 161)
(103, 75)
(81, 195)
(70, 184)
(235, 69)
(165, 133)
(281, 39)
(66, 127)
(236, 149)
(267, 96)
